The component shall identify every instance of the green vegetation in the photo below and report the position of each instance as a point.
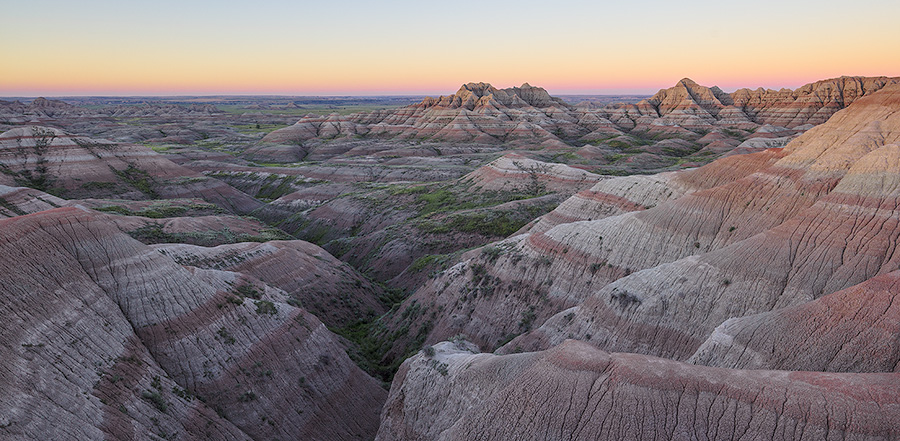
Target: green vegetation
(265, 307)
(437, 201)
(276, 186)
(11, 208)
(319, 109)
(138, 179)
(182, 393)
(162, 209)
(91, 186)
(154, 233)
(486, 224)
(373, 341)
(452, 198)
(738, 134)
(617, 144)
(527, 319)
(226, 336)
(430, 260)
(441, 367)
(495, 224)
(155, 398)
(248, 290)
(679, 152)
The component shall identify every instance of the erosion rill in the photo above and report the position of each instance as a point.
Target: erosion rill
(489, 265)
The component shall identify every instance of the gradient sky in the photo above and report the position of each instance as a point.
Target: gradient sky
(178, 47)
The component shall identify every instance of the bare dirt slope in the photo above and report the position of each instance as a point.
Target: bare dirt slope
(106, 337)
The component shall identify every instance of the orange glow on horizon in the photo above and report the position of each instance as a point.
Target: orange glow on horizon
(211, 48)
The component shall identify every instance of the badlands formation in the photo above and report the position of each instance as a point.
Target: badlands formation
(494, 264)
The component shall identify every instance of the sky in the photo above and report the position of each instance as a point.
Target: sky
(341, 47)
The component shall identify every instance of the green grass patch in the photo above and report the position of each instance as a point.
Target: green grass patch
(138, 179)
(153, 233)
(276, 186)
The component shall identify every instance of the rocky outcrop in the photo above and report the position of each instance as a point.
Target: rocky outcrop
(16, 201)
(105, 337)
(482, 114)
(577, 392)
(690, 104)
(776, 231)
(43, 108)
(615, 196)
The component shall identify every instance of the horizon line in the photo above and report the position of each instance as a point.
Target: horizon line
(582, 90)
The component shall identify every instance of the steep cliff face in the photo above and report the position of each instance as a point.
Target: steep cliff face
(577, 392)
(108, 337)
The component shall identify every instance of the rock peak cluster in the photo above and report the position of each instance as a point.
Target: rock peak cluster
(461, 268)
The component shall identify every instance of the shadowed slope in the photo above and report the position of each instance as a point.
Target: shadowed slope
(270, 369)
(324, 285)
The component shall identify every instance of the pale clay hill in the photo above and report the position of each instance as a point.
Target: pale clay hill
(339, 221)
(575, 391)
(809, 287)
(703, 241)
(750, 298)
(105, 336)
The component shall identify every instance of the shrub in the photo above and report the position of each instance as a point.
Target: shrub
(156, 399)
(265, 307)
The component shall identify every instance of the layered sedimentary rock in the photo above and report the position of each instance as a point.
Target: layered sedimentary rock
(798, 223)
(43, 108)
(577, 392)
(481, 113)
(325, 286)
(161, 221)
(852, 330)
(79, 167)
(516, 173)
(16, 201)
(625, 194)
(846, 236)
(784, 259)
(106, 337)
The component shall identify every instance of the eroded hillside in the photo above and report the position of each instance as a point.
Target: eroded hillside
(698, 264)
